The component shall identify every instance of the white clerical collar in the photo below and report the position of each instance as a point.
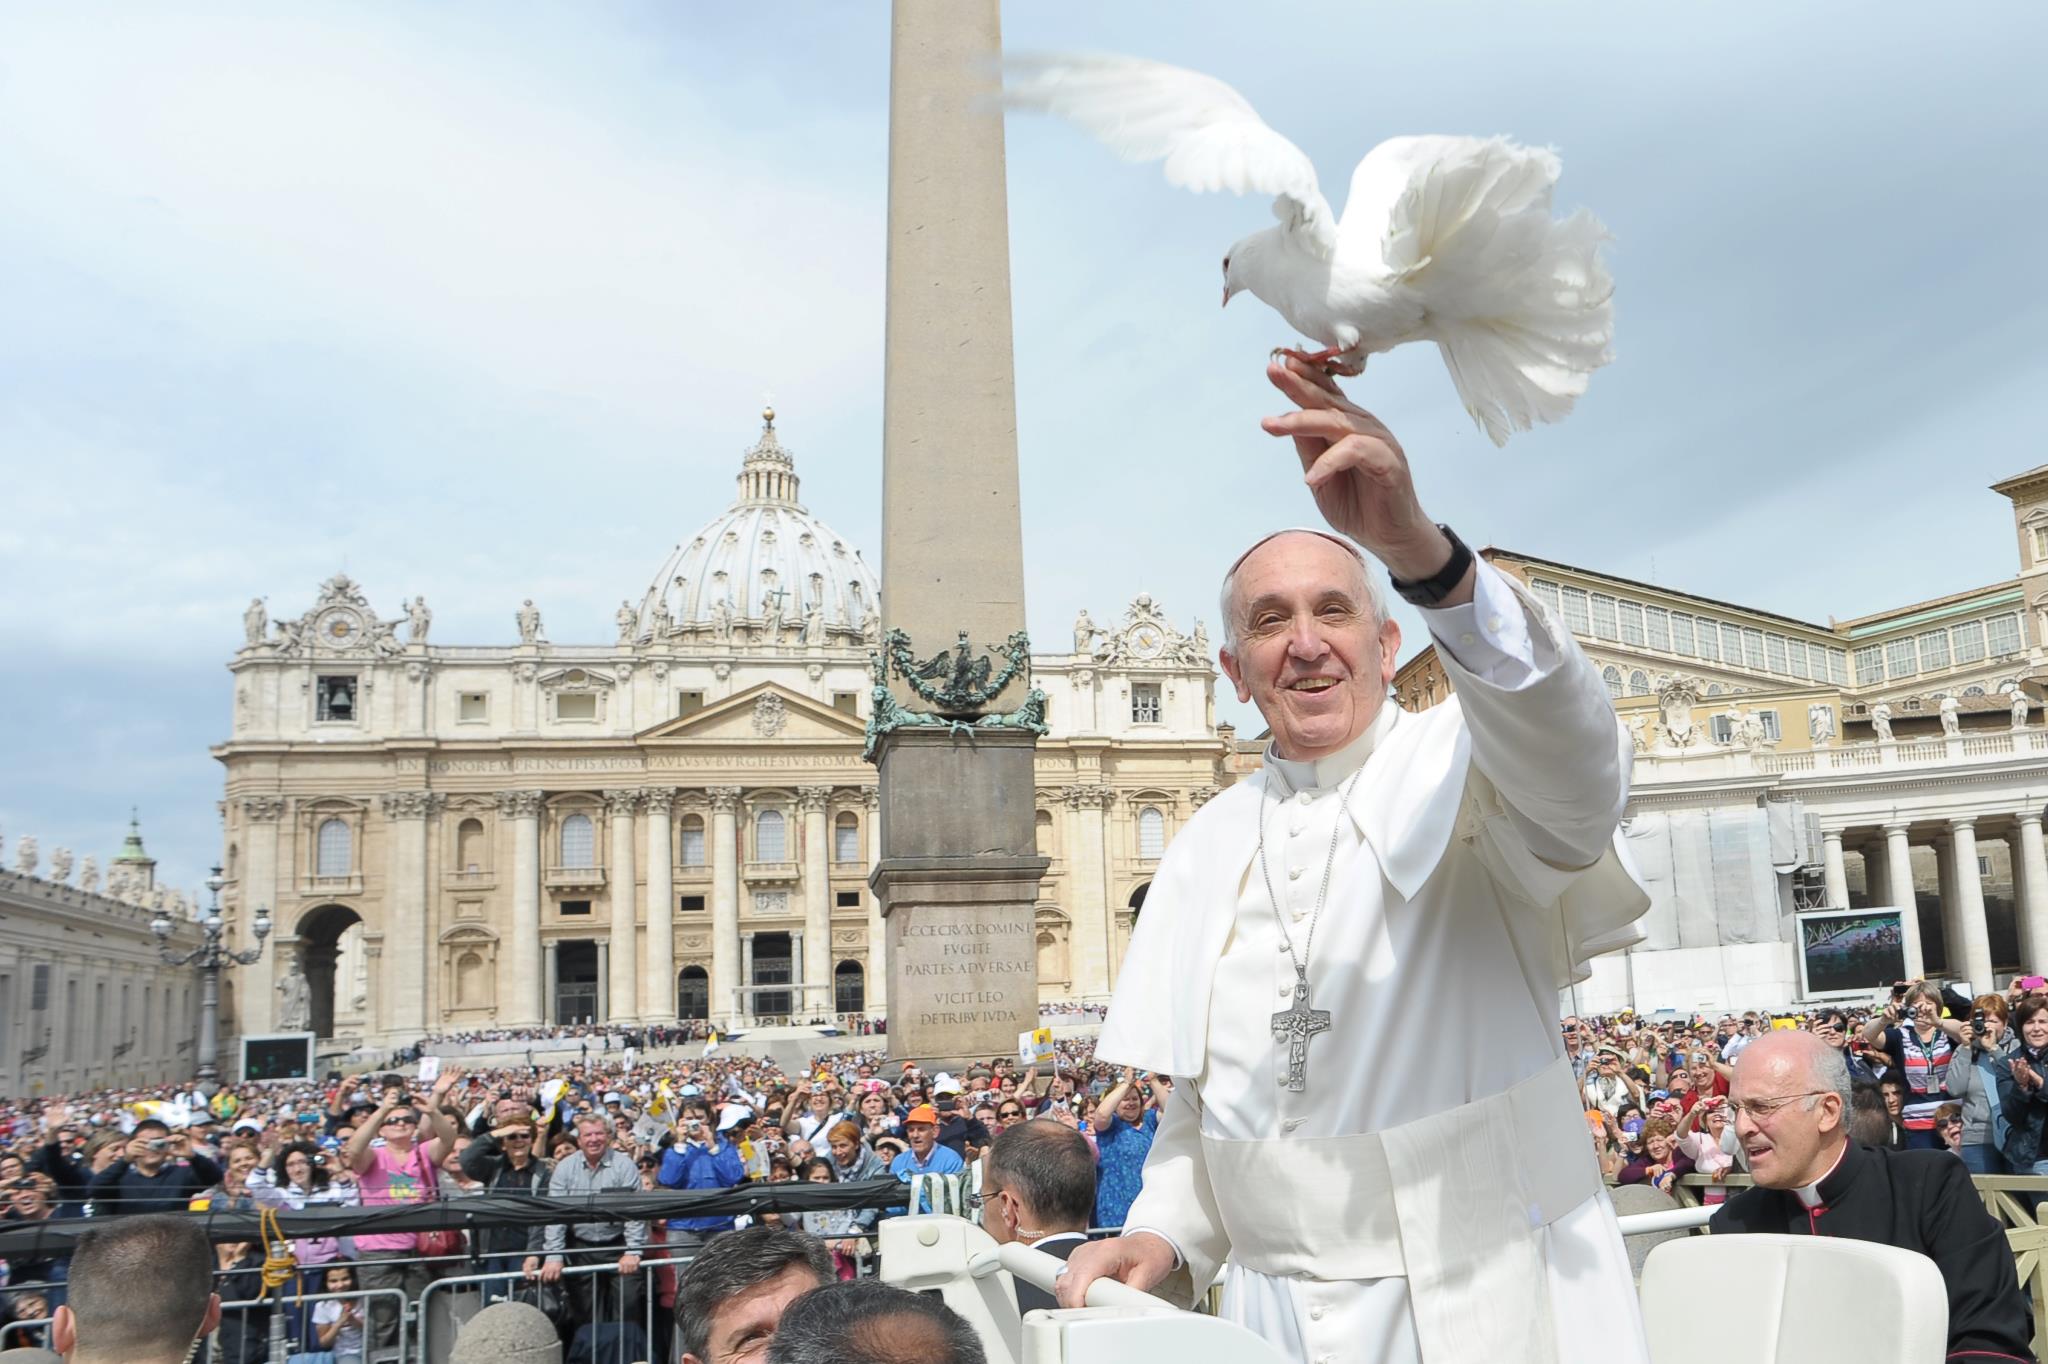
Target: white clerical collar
(1325, 773)
(1809, 1194)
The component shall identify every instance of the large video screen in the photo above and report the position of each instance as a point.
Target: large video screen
(278, 1057)
(1850, 951)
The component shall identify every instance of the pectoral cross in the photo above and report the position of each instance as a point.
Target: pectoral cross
(1295, 1026)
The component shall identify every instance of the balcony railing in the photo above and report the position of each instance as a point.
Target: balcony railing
(1725, 762)
(573, 878)
(771, 871)
(470, 880)
(330, 885)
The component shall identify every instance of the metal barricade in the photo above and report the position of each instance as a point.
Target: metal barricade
(27, 1333)
(433, 1347)
(279, 1339)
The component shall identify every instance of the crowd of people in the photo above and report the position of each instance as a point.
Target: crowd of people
(600, 1119)
(1928, 1070)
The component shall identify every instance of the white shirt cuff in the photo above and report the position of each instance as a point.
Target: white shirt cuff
(1489, 636)
(1179, 1260)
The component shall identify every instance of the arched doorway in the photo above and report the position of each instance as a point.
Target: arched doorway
(1137, 901)
(693, 994)
(320, 934)
(849, 988)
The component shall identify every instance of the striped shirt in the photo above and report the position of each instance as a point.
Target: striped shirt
(572, 1177)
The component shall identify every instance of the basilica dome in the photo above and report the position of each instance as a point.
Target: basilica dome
(764, 570)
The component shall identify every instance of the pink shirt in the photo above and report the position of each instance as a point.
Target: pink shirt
(393, 1179)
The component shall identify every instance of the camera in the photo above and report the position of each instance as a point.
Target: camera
(158, 1144)
(1977, 1022)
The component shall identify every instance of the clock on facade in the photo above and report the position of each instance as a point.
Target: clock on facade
(1147, 641)
(338, 629)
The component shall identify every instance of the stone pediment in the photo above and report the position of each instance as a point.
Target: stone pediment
(764, 713)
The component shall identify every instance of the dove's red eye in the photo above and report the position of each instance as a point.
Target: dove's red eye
(1226, 265)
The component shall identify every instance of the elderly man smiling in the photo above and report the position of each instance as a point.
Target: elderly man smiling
(1376, 1195)
(1791, 1104)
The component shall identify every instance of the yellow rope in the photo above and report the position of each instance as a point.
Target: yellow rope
(279, 1264)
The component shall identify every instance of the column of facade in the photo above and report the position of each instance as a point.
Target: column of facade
(1877, 874)
(1976, 931)
(619, 990)
(604, 980)
(520, 1003)
(407, 930)
(817, 942)
(658, 995)
(1945, 887)
(1092, 944)
(259, 890)
(551, 981)
(746, 1006)
(1836, 874)
(877, 997)
(2034, 907)
(725, 900)
(1899, 882)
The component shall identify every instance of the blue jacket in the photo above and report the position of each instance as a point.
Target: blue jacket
(2026, 1115)
(687, 1166)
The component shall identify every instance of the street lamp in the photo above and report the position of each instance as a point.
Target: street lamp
(212, 957)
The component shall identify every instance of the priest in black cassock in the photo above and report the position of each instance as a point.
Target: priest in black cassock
(1791, 1100)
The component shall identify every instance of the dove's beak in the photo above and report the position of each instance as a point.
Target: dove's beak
(1226, 295)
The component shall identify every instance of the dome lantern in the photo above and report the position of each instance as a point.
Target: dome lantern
(768, 473)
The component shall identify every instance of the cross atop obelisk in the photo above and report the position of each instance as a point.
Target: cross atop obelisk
(958, 874)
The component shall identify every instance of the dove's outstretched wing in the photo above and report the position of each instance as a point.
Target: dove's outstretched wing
(1208, 135)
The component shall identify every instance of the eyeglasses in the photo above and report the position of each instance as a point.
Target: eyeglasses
(1009, 1113)
(978, 1201)
(400, 1117)
(1763, 1110)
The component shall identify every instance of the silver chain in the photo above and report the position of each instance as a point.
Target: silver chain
(1279, 916)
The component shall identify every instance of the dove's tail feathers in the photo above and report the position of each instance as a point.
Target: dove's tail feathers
(1520, 301)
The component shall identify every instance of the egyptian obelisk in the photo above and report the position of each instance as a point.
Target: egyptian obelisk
(958, 875)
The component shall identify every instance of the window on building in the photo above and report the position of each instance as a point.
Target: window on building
(1933, 651)
(847, 899)
(575, 907)
(1899, 659)
(1145, 705)
(39, 989)
(1869, 665)
(847, 701)
(1968, 642)
(849, 989)
(690, 904)
(1611, 675)
(334, 699)
(1769, 720)
(1731, 646)
(576, 705)
(689, 702)
(469, 845)
(1681, 634)
(1546, 592)
(1041, 829)
(693, 840)
(1774, 655)
(771, 843)
(1657, 621)
(1795, 654)
(1578, 617)
(332, 848)
(1713, 689)
(1838, 667)
(1709, 641)
(472, 707)
(846, 837)
(1151, 834)
(1603, 617)
(1983, 866)
(2041, 544)
(1638, 683)
(1722, 727)
(579, 841)
(1753, 649)
(2002, 634)
(1632, 624)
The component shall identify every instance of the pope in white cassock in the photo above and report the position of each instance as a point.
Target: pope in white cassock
(1351, 961)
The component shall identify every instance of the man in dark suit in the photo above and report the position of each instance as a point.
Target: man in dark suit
(1038, 1189)
(1791, 1102)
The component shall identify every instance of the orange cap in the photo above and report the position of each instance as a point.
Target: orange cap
(922, 1113)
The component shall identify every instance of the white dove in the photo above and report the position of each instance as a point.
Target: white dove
(1444, 239)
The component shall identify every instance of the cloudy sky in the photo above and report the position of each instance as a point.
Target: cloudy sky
(480, 301)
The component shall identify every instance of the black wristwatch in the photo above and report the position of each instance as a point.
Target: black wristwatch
(1433, 589)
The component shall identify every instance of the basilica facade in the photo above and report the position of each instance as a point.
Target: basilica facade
(676, 823)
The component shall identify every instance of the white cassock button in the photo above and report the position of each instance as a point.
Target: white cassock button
(1286, 990)
(1466, 639)
(1300, 914)
(1294, 873)
(1316, 1314)
(1289, 1126)
(1493, 624)
(1281, 945)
